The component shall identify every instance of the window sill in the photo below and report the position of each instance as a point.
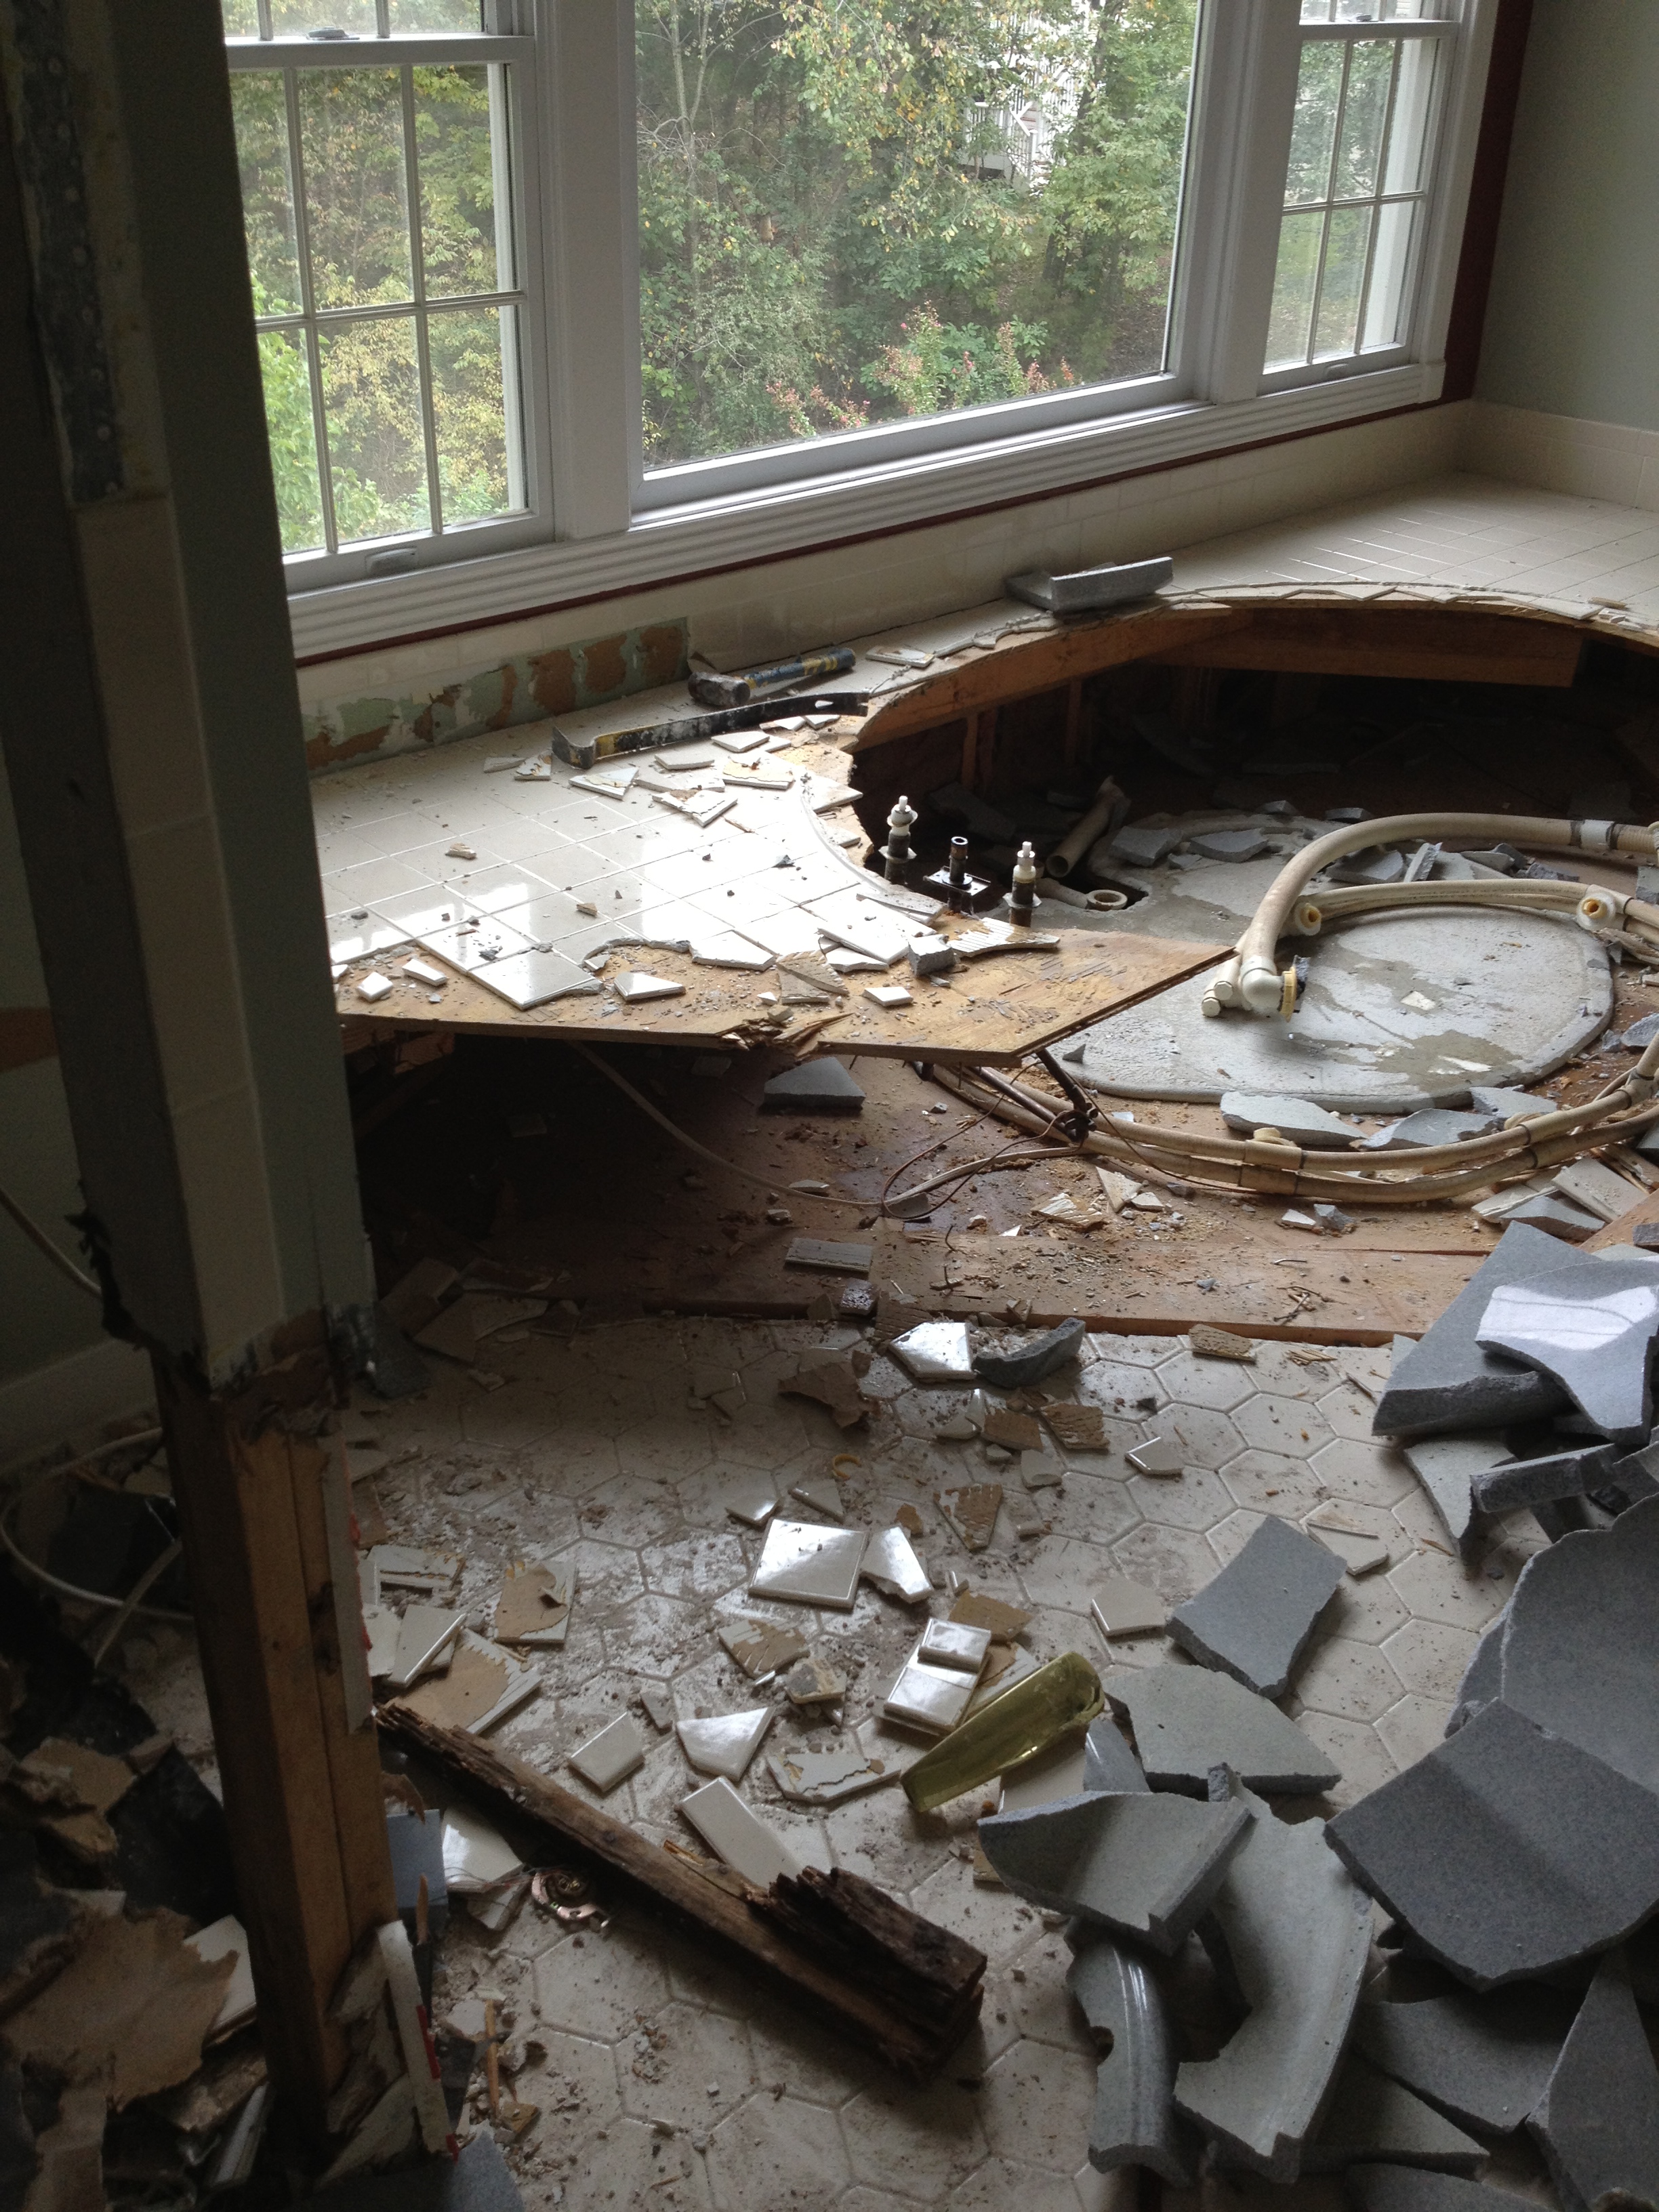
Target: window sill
(794, 518)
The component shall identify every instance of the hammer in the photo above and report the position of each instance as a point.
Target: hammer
(711, 691)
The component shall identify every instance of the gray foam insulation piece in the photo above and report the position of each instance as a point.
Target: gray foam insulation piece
(1254, 1620)
(1313, 1127)
(1485, 2061)
(1448, 1467)
(1483, 1678)
(1589, 1326)
(1507, 1851)
(1581, 1641)
(1372, 2117)
(1141, 1865)
(1542, 1481)
(1291, 1929)
(479, 2180)
(1597, 2123)
(825, 1085)
(1133, 2122)
(1189, 1720)
(1446, 1381)
(1108, 1762)
(1413, 2189)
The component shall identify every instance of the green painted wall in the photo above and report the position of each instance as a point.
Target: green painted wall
(1573, 327)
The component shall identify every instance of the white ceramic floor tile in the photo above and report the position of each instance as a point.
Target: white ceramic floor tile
(809, 1566)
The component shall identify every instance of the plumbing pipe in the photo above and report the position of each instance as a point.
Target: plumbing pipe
(1101, 817)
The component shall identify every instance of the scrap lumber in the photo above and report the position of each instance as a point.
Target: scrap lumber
(852, 1957)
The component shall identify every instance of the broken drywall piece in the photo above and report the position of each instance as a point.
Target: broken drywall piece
(1293, 1929)
(1187, 1721)
(971, 1511)
(1254, 1619)
(1484, 2060)
(609, 1757)
(1520, 1482)
(739, 1836)
(1108, 1762)
(1589, 1327)
(725, 1744)
(760, 1647)
(1445, 1381)
(935, 1351)
(890, 1563)
(1580, 1653)
(809, 1566)
(1448, 1467)
(1598, 2122)
(1142, 1866)
(1017, 1371)
(534, 1606)
(1134, 2121)
(1121, 1606)
(1372, 2117)
(1507, 1851)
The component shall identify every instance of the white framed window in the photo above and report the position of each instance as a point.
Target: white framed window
(560, 297)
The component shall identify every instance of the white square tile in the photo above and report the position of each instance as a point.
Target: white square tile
(611, 1756)
(809, 1566)
(739, 1836)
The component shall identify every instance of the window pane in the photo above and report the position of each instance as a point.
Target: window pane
(261, 115)
(1344, 281)
(436, 15)
(351, 133)
(474, 365)
(1395, 224)
(458, 185)
(297, 19)
(1293, 288)
(1373, 11)
(1318, 95)
(1364, 114)
(283, 361)
(1408, 133)
(241, 18)
(849, 216)
(372, 405)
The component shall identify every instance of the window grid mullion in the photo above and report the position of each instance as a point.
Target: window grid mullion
(383, 19)
(308, 308)
(261, 11)
(1330, 202)
(417, 274)
(1376, 200)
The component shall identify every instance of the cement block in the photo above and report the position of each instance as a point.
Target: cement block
(1108, 1762)
(1411, 2188)
(1598, 2122)
(1507, 1851)
(1541, 1481)
(1254, 1619)
(1581, 1643)
(1589, 1326)
(1446, 1382)
(1017, 1371)
(1448, 1467)
(1187, 1721)
(1133, 2122)
(1483, 2060)
(1291, 1929)
(1373, 2119)
(1141, 1865)
(1314, 1127)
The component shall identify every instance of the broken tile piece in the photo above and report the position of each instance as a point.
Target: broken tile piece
(1208, 1343)
(609, 1757)
(1162, 1456)
(760, 1647)
(749, 1498)
(1142, 1866)
(1079, 1428)
(659, 1704)
(739, 1836)
(977, 1610)
(1014, 1431)
(821, 1257)
(1372, 2117)
(534, 1606)
(1289, 1929)
(971, 1511)
(888, 995)
(809, 1566)
(635, 985)
(935, 1351)
(1254, 1619)
(1041, 1470)
(1134, 2121)
(1187, 1721)
(1445, 1381)
(1484, 2060)
(890, 1563)
(1360, 1553)
(822, 1493)
(726, 1743)
(950, 1644)
(1589, 1327)
(1123, 1607)
(1507, 1850)
(814, 1682)
(1448, 1467)
(1017, 1371)
(1598, 2123)
(831, 1380)
(828, 1778)
(928, 1697)
(426, 1639)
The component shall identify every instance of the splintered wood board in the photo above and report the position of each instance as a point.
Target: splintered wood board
(992, 1011)
(1352, 1297)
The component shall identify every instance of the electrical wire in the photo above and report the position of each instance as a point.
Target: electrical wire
(38, 1237)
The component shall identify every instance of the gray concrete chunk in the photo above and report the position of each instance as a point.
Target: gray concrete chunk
(1144, 1866)
(1017, 1371)
(1540, 1481)
(1293, 1929)
(1133, 2122)
(1589, 1326)
(1581, 1643)
(1448, 1467)
(1485, 2061)
(1254, 1619)
(1446, 1381)
(1189, 1720)
(1508, 1852)
(1598, 2123)
(1373, 2119)
(1411, 2188)
(1314, 1127)
(1108, 1762)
